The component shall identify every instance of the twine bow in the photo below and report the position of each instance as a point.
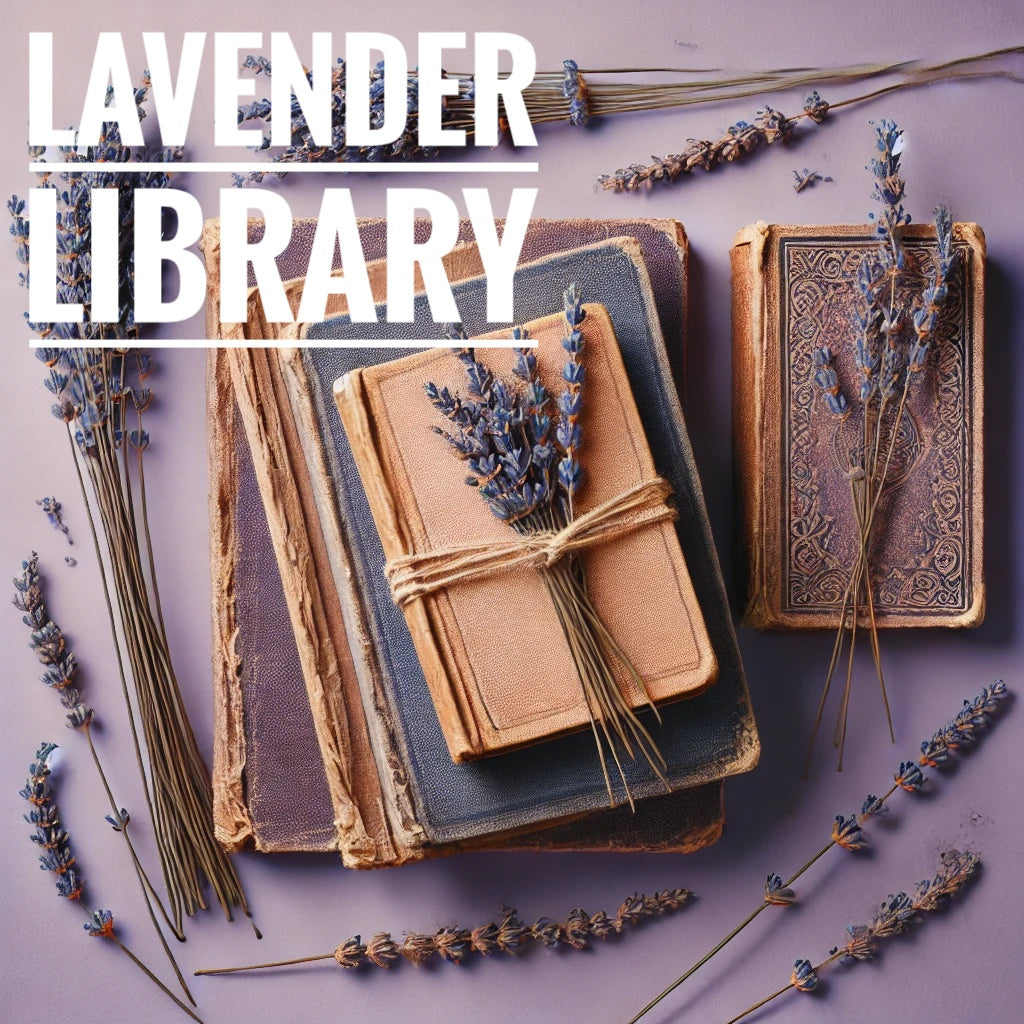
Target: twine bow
(415, 575)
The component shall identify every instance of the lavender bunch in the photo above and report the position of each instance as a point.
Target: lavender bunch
(100, 395)
(895, 916)
(526, 466)
(57, 856)
(456, 112)
(739, 140)
(847, 830)
(894, 327)
(769, 126)
(507, 934)
(48, 642)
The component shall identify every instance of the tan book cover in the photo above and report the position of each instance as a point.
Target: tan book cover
(792, 292)
(495, 687)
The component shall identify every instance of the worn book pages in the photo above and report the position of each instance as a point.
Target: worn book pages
(500, 683)
(793, 292)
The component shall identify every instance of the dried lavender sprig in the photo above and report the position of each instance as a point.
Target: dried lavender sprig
(101, 926)
(57, 856)
(740, 139)
(54, 515)
(506, 934)
(964, 730)
(745, 138)
(889, 359)
(48, 642)
(529, 474)
(895, 916)
(575, 95)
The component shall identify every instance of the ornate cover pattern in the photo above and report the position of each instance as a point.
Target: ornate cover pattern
(794, 292)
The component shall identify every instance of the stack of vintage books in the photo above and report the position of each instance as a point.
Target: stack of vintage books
(347, 723)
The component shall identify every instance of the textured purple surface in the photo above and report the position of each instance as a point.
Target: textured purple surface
(963, 150)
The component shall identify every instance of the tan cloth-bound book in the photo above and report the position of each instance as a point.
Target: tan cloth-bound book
(793, 291)
(498, 666)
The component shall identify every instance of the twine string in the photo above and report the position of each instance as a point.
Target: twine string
(418, 574)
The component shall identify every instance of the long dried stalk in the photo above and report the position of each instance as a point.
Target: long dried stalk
(177, 780)
(48, 641)
(507, 934)
(52, 839)
(526, 465)
(938, 752)
(575, 95)
(894, 917)
(890, 352)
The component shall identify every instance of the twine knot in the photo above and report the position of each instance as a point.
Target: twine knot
(418, 574)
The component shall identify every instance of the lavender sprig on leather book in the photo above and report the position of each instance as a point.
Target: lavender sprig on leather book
(455, 568)
(795, 292)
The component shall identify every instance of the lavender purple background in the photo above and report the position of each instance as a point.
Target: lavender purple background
(964, 148)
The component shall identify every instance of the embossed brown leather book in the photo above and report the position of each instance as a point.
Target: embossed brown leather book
(793, 291)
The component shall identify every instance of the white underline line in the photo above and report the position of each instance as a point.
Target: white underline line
(227, 167)
(149, 343)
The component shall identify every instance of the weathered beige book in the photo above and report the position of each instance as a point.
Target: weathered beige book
(496, 660)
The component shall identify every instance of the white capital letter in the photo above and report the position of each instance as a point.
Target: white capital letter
(44, 308)
(151, 251)
(40, 94)
(358, 130)
(314, 98)
(103, 235)
(228, 88)
(337, 223)
(404, 253)
(237, 252)
(110, 66)
(489, 87)
(432, 87)
(173, 103)
(499, 258)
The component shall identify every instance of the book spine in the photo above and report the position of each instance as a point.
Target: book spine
(363, 698)
(974, 237)
(260, 412)
(232, 822)
(460, 729)
(748, 353)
